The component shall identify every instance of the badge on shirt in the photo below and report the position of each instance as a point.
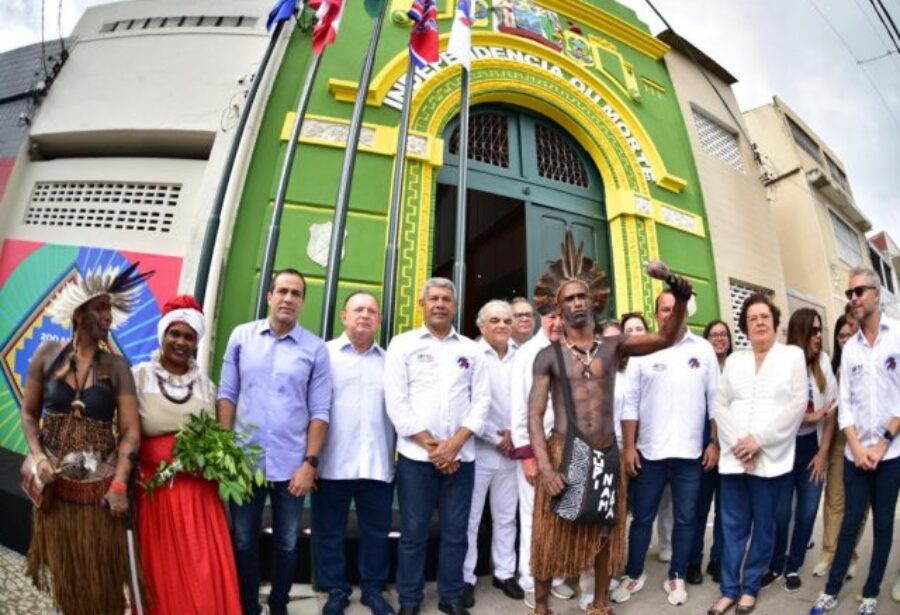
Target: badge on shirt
(890, 363)
(694, 363)
(423, 357)
(660, 367)
(463, 362)
(856, 370)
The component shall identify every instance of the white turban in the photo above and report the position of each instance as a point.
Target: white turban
(189, 316)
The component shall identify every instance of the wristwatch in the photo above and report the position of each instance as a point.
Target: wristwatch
(887, 435)
(713, 440)
(312, 460)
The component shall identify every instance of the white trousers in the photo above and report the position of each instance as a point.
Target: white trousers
(526, 520)
(500, 483)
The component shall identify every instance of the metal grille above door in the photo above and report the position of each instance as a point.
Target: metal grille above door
(557, 159)
(488, 139)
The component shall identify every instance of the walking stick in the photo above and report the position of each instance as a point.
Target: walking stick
(129, 535)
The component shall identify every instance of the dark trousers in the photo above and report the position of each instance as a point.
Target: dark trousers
(709, 492)
(684, 477)
(860, 487)
(330, 507)
(749, 504)
(287, 515)
(790, 559)
(420, 489)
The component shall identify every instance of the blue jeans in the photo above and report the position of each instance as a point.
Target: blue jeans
(684, 477)
(860, 487)
(808, 495)
(748, 503)
(709, 491)
(330, 507)
(420, 489)
(287, 514)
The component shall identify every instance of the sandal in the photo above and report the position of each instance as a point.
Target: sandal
(715, 611)
(599, 610)
(745, 609)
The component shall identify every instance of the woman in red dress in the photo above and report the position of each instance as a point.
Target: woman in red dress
(185, 544)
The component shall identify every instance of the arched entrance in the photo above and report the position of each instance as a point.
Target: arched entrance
(528, 182)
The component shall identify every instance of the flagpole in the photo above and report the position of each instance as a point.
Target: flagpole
(211, 234)
(268, 262)
(339, 222)
(390, 251)
(459, 264)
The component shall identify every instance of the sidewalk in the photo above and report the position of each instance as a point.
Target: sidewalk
(18, 597)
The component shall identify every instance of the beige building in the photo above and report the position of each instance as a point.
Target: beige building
(745, 247)
(820, 230)
(885, 257)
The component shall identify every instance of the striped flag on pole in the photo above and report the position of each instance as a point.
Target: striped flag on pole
(282, 11)
(328, 14)
(460, 44)
(423, 40)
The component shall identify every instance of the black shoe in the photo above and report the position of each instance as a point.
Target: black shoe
(278, 610)
(377, 604)
(714, 570)
(510, 587)
(337, 602)
(468, 595)
(408, 610)
(694, 574)
(769, 577)
(453, 608)
(792, 582)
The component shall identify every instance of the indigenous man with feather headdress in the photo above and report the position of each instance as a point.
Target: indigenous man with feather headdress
(579, 462)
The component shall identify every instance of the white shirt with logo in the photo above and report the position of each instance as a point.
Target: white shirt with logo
(435, 385)
(870, 386)
(670, 393)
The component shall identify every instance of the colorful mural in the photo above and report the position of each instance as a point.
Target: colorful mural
(31, 273)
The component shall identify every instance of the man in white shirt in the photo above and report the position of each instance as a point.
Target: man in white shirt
(869, 415)
(357, 462)
(527, 472)
(494, 470)
(438, 396)
(666, 400)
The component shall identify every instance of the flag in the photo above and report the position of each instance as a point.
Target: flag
(423, 40)
(460, 44)
(328, 14)
(282, 11)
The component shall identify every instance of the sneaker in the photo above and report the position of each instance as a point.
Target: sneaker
(792, 582)
(664, 555)
(628, 586)
(614, 583)
(563, 591)
(851, 570)
(869, 606)
(676, 591)
(895, 593)
(584, 601)
(769, 577)
(337, 602)
(529, 598)
(823, 604)
(821, 569)
(377, 604)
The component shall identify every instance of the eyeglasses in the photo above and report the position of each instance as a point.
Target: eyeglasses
(524, 315)
(718, 335)
(816, 330)
(857, 291)
(497, 321)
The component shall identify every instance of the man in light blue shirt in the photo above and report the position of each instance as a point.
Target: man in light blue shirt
(357, 464)
(276, 384)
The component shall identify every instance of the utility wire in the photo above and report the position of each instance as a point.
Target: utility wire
(43, 48)
(890, 19)
(890, 32)
(878, 33)
(861, 66)
(62, 46)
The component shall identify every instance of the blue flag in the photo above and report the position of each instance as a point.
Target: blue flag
(282, 11)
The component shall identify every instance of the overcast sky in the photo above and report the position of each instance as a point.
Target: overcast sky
(773, 47)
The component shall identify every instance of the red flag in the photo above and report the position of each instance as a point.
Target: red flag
(423, 40)
(328, 14)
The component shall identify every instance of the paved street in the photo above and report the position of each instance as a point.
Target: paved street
(17, 597)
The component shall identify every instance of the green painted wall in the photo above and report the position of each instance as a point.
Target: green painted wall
(316, 170)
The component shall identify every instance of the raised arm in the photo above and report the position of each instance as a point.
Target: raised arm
(537, 404)
(638, 345)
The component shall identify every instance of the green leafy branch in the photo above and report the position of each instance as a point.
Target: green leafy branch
(205, 448)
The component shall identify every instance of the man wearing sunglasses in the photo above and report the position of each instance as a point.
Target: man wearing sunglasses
(869, 416)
